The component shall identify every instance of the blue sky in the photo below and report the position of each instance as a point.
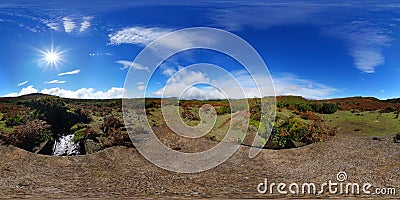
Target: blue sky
(315, 49)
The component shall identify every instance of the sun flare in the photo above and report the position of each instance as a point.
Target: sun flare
(51, 57)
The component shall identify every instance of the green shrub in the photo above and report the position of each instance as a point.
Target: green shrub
(294, 128)
(15, 120)
(223, 110)
(329, 108)
(302, 107)
(79, 135)
(77, 127)
(388, 109)
(55, 112)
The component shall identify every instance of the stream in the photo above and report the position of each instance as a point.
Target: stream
(65, 146)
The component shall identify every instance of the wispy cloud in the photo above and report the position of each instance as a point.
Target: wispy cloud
(69, 25)
(77, 71)
(82, 93)
(263, 16)
(137, 35)
(22, 83)
(365, 39)
(85, 24)
(367, 59)
(126, 64)
(55, 82)
(53, 26)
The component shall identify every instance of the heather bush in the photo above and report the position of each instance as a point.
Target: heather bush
(118, 137)
(186, 114)
(83, 116)
(309, 115)
(112, 122)
(317, 131)
(31, 134)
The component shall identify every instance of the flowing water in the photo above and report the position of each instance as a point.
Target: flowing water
(65, 146)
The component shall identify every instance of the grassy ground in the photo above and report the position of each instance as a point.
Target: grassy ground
(364, 123)
(3, 126)
(217, 133)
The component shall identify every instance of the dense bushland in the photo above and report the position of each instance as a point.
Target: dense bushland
(296, 129)
(303, 105)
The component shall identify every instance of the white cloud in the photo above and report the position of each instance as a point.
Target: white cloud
(86, 93)
(289, 84)
(144, 36)
(126, 64)
(69, 25)
(82, 93)
(140, 83)
(169, 72)
(141, 87)
(22, 83)
(180, 82)
(181, 85)
(55, 82)
(26, 90)
(85, 24)
(367, 60)
(137, 35)
(77, 71)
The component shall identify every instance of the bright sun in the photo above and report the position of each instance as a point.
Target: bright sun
(51, 57)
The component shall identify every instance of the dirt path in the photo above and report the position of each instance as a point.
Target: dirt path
(123, 172)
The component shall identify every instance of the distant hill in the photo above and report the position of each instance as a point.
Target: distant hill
(25, 97)
(362, 103)
(347, 103)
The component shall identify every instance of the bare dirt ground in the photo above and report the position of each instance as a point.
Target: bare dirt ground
(121, 172)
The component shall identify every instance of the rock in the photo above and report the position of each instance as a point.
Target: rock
(39, 148)
(91, 146)
(298, 144)
(376, 138)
